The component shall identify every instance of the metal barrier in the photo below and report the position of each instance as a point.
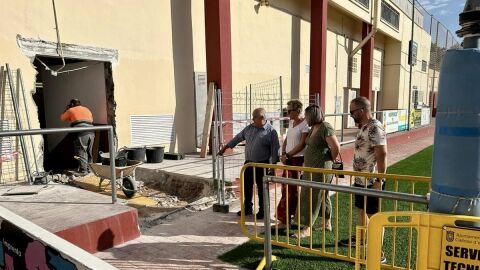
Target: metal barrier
(329, 244)
(73, 130)
(443, 241)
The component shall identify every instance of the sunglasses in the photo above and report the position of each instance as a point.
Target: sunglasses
(352, 112)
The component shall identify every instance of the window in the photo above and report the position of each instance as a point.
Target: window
(417, 97)
(390, 15)
(424, 66)
(365, 3)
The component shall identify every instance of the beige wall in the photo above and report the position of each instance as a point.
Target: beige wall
(144, 75)
(157, 53)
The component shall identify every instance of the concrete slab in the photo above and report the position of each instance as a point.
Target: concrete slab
(86, 219)
(23, 190)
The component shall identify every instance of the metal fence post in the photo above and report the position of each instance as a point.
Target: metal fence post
(266, 219)
(343, 128)
(19, 125)
(215, 143)
(250, 102)
(281, 96)
(222, 158)
(246, 103)
(20, 84)
(410, 84)
(113, 154)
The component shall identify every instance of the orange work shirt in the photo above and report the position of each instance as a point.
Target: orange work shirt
(77, 114)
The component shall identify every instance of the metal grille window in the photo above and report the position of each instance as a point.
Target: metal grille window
(390, 15)
(365, 3)
(152, 129)
(424, 65)
(417, 96)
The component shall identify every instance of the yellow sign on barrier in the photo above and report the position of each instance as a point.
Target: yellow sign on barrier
(441, 244)
(460, 249)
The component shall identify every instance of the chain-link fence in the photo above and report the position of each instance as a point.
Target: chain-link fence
(443, 39)
(14, 151)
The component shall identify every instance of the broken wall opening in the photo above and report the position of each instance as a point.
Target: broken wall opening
(88, 80)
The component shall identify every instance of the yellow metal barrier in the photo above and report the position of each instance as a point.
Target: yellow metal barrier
(445, 242)
(328, 248)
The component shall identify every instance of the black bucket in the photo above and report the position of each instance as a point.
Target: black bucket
(136, 153)
(155, 154)
(120, 159)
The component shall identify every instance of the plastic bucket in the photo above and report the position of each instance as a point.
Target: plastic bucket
(120, 160)
(155, 154)
(136, 153)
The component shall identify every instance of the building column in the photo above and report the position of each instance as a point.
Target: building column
(318, 48)
(219, 54)
(366, 74)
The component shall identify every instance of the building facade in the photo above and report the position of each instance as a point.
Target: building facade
(141, 65)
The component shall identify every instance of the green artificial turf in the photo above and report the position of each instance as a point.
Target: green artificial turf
(249, 254)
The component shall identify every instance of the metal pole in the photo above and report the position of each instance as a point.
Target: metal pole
(219, 171)
(2, 111)
(281, 96)
(343, 128)
(20, 84)
(434, 66)
(250, 99)
(113, 154)
(351, 190)
(220, 138)
(215, 144)
(411, 68)
(19, 125)
(44, 131)
(246, 103)
(73, 130)
(268, 233)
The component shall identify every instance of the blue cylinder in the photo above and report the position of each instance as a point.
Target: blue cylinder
(456, 155)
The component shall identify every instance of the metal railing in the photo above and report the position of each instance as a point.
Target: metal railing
(73, 130)
(323, 186)
(342, 207)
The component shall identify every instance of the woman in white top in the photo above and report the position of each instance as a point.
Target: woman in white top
(292, 154)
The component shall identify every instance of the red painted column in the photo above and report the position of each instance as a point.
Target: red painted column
(219, 54)
(318, 48)
(367, 63)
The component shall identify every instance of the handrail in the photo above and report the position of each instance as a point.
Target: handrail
(348, 189)
(317, 185)
(14, 133)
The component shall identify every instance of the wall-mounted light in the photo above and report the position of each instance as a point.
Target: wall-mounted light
(264, 3)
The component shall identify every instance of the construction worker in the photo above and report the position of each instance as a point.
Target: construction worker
(80, 116)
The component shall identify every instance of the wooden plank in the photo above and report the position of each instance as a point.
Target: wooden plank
(208, 119)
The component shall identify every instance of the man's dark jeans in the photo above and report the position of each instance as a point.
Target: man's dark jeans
(248, 186)
(83, 144)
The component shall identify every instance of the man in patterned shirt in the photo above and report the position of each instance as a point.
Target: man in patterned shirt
(370, 155)
(261, 146)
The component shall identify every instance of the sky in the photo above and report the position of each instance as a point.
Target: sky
(446, 11)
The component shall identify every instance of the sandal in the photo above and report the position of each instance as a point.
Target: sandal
(303, 233)
(328, 225)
